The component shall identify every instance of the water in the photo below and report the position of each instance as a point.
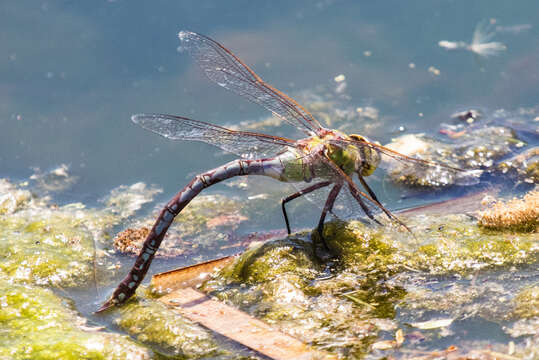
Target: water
(72, 74)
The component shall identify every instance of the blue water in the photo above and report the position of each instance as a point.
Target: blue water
(73, 72)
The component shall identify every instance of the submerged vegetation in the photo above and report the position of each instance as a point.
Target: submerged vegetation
(38, 324)
(379, 292)
(205, 224)
(376, 272)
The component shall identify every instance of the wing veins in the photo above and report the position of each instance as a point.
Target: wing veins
(278, 103)
(242, 143)
(257, 81)
(396, 155)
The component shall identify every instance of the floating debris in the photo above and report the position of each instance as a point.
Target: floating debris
(126, 200)
(432, 324)
(468, 116)
(399, 337)
(188, 276)
(339, 78)
(434, 71)
(55, 180)
(480, 44)
(341, 84)
(206, 223)
(130, 240)
(524, 166)
(517, 214)
(475, 148)
(246, 330)
(384, 345)
(390, 344)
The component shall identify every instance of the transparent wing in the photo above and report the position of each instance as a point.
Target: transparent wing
(242, 143)
(424, 171)
(346, 206)
(352, 201)
(227, 70)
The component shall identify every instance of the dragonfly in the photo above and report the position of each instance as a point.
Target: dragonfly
(326, 158)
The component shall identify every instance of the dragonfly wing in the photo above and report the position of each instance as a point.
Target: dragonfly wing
(227, 70)
(244, 144)
(433, 172)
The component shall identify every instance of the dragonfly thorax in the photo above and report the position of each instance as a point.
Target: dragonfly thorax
(351, 153)
(352, 157)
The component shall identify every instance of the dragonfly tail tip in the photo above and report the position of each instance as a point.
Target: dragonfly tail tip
(106, 305)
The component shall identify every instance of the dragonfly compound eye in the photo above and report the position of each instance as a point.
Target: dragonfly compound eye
(370, 157)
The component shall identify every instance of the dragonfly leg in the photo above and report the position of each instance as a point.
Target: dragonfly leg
(389, 214)
(358, 194)
(328, 206)
(367, 187)
(373, 195)
(298, 194)
(365, 208)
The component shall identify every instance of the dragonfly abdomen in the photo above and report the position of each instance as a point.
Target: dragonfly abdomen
(126, 289)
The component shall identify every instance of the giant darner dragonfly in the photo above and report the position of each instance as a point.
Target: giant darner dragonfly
(326, 158)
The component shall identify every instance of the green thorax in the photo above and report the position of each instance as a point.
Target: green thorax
(304, 165)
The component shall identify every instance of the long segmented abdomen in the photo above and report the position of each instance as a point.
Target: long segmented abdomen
(268, 167)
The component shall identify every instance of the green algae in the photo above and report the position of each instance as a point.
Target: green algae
(14, 198)
(46, 244)
(439, 244)
(274, 259)
(37, 324)
(126, 200)
(526, 302)
(523, 167)
(360, 246)
(345, 304)
(153, 323)
(205, 224)
(46, 247)
(476, 148)
(283, 283)
(456, 244)
(376, 283)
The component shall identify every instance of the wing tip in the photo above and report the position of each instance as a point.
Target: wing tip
(136, 118)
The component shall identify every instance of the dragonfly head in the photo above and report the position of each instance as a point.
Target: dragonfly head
(369, 158)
